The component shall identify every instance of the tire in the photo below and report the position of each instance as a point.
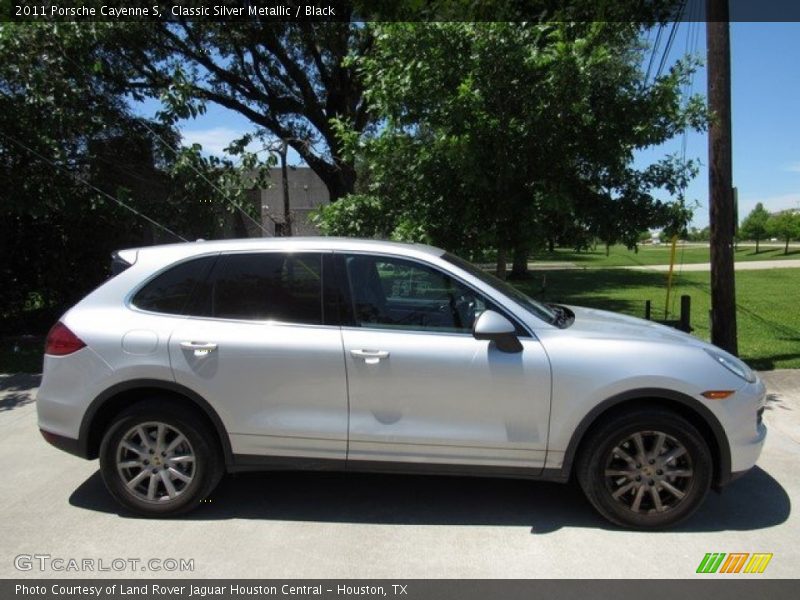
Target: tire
(167, 472)
(668, 490)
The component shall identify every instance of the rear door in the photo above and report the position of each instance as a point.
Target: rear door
(261, 346)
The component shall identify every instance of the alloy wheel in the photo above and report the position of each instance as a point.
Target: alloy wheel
(649, 472)
(155, 461)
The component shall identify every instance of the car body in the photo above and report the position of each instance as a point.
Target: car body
(202, 358)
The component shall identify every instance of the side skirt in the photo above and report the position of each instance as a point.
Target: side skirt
(250, 462)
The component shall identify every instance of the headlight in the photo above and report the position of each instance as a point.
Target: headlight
(733, 364)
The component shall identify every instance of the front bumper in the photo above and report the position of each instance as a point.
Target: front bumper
(742, 419)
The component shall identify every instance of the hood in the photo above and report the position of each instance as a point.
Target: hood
(595, 323)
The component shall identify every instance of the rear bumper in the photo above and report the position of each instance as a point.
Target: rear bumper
(64, 443)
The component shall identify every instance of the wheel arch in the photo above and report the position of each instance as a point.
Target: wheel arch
(682, 404)
(112, 401)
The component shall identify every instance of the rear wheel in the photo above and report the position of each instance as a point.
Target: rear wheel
(158, 460)
(647, 469)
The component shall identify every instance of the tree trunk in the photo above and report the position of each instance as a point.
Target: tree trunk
(786, 249)
(340, 180)
(519, 266)
(756, 245)
(551, 245)
(608, 249)
(501, 263)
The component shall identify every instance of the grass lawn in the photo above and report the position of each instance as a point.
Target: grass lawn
(767, 300)
(620, 256)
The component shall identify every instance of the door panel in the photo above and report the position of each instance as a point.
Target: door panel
(446, 398)
(279, 389)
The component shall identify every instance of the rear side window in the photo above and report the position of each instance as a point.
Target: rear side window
(264, 286)
(171, 291)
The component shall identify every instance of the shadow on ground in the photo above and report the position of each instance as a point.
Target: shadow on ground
(15, 390)
(756, 501)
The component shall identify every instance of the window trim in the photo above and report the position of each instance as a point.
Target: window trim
(344, 286)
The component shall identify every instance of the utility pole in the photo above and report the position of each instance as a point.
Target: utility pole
(287, 209)
(720, 177)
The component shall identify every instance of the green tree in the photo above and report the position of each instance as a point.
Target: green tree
(290, 80)
(69, 146)
(754, 226)
(786, 226)
(487, 129)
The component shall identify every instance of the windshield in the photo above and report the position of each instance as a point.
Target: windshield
(539, 310)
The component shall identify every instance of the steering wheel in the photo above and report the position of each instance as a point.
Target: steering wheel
(463, 308)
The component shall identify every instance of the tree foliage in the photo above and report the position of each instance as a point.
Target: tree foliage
(754, 226)
(290, 80)
(70, 146)
(785, 225)
(503, 134)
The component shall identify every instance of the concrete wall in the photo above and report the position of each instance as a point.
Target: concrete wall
(306, 192)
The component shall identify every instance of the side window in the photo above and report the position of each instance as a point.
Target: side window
(400, 294)
(171, 291)
(265, 286)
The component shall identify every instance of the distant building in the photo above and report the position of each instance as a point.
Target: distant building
(307, 192)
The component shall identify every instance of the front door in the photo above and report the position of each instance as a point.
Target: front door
(421, 388)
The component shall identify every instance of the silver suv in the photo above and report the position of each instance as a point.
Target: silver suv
(203, 358)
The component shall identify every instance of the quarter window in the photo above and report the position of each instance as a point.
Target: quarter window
(171, 291)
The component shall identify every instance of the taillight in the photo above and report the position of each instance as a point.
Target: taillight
(61, 341)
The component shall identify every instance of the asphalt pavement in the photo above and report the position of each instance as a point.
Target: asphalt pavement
(310, 525)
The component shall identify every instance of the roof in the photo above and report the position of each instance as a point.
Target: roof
(290, 244)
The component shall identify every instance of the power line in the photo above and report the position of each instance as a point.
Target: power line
(208, 181)
(670, 39)
(142, 121)
(656, 43)
(94, 187)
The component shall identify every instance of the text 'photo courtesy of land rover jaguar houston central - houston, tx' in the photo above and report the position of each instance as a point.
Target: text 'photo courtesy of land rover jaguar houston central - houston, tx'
(199, 359)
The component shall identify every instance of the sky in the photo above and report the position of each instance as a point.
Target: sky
(765, 104)
(765, 65)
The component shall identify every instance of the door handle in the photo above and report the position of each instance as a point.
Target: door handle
(200, 348)
(371, 357)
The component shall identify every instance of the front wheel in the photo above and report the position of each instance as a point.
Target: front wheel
(159, 461)
(647, 469)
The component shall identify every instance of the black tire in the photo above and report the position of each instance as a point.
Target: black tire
(604, 468)
(200, 443)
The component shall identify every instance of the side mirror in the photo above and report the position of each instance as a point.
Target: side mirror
(496, 328)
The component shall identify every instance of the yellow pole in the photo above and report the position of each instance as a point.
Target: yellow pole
(669, 275)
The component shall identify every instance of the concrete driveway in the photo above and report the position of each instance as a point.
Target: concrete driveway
(306, 525)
